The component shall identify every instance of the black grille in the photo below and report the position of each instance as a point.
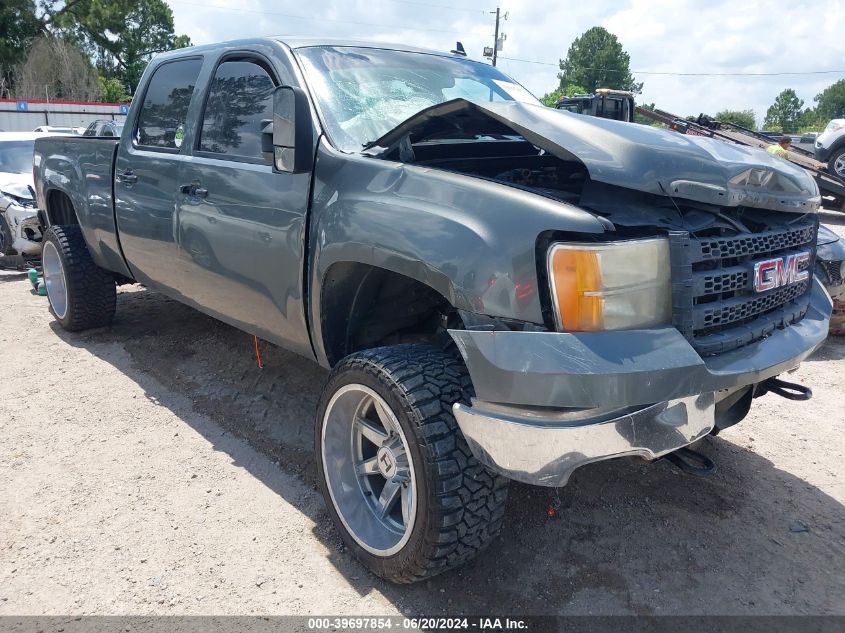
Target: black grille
(714, 302)
(724, 313)
(722, 280)
(749, 245)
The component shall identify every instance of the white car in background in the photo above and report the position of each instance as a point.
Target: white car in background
(19, 230)
(830, 147)
(57, 129)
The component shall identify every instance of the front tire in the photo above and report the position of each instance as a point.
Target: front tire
(81, 294)
(836, 164)
(400, 482)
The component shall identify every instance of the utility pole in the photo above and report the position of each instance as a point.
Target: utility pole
(498, 40)
(496, 37)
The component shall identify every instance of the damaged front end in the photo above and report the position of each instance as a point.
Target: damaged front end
(20, 234)
(658, 330)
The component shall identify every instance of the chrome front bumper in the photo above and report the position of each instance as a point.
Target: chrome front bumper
(543, 447)
(549, 402)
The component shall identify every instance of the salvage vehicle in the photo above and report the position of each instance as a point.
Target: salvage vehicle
(830, 263)
(20, 230)
(104, 127)
(501, 290)
(55, 129)
(830, 147)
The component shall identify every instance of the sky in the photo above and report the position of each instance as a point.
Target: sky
(661, 36)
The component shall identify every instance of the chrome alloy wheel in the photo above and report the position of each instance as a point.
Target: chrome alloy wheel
(369, 470)
(839, 166)
(54, 279)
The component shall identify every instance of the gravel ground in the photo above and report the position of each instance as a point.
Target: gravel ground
(152, 468)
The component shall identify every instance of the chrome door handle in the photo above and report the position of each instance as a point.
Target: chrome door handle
(193, 190)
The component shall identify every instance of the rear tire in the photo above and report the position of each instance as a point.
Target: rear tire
(450, 508)
(836, 164)
(81, 294)
(6, 238)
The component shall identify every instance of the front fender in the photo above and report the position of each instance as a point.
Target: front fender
(471, 240)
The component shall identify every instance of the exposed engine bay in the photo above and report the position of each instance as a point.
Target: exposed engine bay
(515, 162)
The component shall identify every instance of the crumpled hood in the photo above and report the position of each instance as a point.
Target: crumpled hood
(19, 185)
(627, 155)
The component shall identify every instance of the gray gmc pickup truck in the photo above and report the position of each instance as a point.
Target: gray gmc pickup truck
(501, 290)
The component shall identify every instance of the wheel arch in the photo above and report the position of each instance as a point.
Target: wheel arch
(361, 305)
(60, 208)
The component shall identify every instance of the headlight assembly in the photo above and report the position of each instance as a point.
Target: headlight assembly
(611, 286)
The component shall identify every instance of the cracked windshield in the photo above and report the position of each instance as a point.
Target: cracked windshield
(363, 93)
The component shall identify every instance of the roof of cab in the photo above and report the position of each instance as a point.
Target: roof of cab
(304, 42)
(296, 41)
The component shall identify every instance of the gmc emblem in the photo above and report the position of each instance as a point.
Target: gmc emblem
(781, 271)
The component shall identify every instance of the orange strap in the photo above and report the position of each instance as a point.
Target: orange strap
(257, 353)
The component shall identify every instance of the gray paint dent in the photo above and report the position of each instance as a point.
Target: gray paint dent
(637, 157)
(471, 240)
(627, 367)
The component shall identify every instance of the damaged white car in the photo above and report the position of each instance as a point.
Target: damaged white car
(19, 230)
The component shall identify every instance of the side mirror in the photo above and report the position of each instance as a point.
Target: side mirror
(293, 150)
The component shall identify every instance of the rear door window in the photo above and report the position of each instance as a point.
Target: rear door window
(161, 122)
(239, 106)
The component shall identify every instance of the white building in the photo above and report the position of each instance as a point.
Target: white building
(25, 116)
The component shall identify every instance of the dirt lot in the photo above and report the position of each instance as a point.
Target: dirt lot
(152, 468)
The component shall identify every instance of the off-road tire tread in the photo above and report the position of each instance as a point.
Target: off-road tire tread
(91, 290)
(469, 499)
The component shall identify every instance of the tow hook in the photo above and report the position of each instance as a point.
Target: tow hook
(788, 390)
(691, 462)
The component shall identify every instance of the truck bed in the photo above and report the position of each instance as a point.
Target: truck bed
(83, 167)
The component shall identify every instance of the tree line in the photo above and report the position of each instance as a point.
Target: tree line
(596, 59)
(84, 50)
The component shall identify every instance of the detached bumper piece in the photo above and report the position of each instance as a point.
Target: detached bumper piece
(544, 448)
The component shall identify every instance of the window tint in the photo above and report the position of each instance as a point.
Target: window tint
(162, 119)
(239, 99)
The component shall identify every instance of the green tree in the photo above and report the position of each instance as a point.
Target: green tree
(830, 104)
(784, 113)
(112, 91)
(119, 36)
(596, 59)
(809, 121)
(122, 35)
(745, 118)
(55, 69)
(551, 98)
(644, 120)
(18, 27)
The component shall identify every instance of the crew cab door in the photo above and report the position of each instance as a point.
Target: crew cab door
(240, 225)
(146, 178)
